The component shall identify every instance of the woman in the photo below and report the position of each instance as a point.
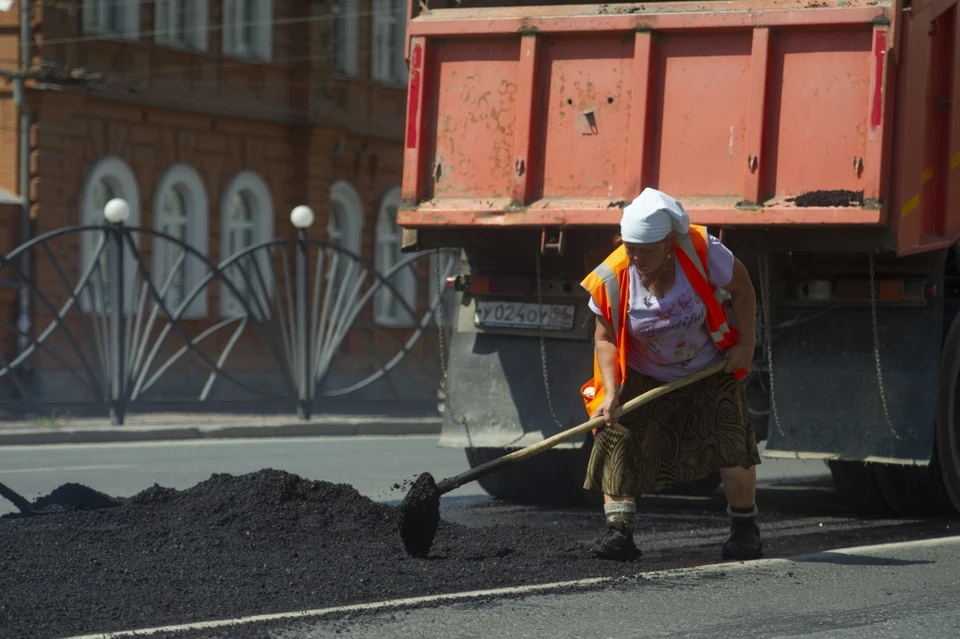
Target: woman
(658, 319)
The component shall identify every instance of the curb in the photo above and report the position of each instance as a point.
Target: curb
(346, 428)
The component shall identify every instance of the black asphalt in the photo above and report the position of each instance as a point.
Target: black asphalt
(270, 542)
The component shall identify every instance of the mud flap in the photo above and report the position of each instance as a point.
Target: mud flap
(826, 387)
(497, 396)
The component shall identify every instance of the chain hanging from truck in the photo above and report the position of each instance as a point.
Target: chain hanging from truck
(768, 334)
(876, 351)
(543, 348)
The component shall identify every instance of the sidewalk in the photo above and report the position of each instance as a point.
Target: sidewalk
(165, 426)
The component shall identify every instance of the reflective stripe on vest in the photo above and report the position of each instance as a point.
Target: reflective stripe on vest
(717, 324)
(605, 273)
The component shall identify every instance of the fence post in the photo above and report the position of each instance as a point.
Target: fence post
(302, 218)
(117, 211)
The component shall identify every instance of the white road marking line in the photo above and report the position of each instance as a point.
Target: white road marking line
(456, 596)
(54, 469)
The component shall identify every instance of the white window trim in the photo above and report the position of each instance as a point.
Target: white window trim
(257, 187)
(197, 25)
(185, 178)
(344, 49)
(343, 193)
(405, 281)
(94, 24)
(388, 65)
(233, 23)
(122, 180)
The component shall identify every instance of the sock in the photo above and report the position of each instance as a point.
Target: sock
(621, 513)
(742, 513)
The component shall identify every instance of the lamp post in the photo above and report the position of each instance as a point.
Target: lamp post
(302, 218)
(117, 212)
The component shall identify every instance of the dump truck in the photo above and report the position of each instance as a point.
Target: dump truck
(818, 139)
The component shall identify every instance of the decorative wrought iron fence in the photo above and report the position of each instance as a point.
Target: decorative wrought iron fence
(282, 322)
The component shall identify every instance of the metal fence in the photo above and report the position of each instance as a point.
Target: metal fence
(288, 322)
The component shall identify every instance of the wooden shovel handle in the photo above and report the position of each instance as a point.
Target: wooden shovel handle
(15, 498)
(453, 483)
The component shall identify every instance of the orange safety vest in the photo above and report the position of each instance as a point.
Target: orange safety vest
(609, 286)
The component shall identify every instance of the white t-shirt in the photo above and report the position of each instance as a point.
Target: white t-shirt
(669, 340)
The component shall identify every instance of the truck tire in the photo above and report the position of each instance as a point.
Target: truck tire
(913, 491)
(552, 478)
(698, 488)
(555, 478)
(947, 433)
(856, 485)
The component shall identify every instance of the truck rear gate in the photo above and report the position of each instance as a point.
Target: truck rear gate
(552, 115)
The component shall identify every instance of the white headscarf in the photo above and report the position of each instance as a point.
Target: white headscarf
(651, 217)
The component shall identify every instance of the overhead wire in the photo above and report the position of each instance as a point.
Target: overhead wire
(224, 60)
(123, 36)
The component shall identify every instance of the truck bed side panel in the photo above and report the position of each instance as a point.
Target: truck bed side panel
(554, 115)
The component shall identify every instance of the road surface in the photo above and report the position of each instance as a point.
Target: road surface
(370, 464)
(894, 591)
(901, 590)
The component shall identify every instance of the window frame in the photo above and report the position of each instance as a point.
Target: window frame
(404, 281)
(255, 186)
(94, 22)
(344, 33)
(343, 193)
(388, 36)
(196, 28)
(121, 179)
(188, 182)
(262, 28)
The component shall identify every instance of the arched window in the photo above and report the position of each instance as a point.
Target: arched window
(110, 177)
(180, 210)
(388, 310)
(246, 220)
(345, 226)
(344, 229)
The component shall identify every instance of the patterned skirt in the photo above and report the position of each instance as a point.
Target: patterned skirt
(682, 436)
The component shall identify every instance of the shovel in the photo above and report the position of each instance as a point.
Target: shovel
(16, 499)
(419, 513)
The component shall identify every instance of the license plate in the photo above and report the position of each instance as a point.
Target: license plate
(551, 317)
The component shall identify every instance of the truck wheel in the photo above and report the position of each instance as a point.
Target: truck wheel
(947, 436)
(913, 491)
(856, 485)
(554, 477)
(699, 488)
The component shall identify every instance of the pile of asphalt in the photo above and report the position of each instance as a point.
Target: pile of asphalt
(233, 546)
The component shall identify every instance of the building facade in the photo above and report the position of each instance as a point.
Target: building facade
(212, 119)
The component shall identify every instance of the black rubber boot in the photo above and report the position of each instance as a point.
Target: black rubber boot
(744, 542)
(617, 543)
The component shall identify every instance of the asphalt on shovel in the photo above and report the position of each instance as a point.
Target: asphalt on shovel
(419, 513)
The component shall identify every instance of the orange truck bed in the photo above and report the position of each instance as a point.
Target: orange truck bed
(752, 112)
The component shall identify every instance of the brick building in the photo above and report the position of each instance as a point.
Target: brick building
(213, 119)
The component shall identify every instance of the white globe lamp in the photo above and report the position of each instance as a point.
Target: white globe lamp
(302, 216)
(117, 211)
